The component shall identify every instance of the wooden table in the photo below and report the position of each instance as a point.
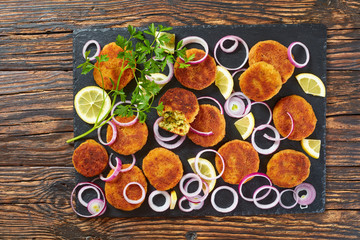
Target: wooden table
(36, 114)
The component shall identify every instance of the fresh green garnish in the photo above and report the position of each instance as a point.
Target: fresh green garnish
(140, 55)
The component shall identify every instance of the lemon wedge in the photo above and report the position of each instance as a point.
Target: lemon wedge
(88, 103)
(173, 199)
(206, 168)
(245, 125)
(169, 46)
(224, 81)
(311, 147)
(311, 84)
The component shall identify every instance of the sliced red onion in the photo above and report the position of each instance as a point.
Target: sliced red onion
(199, 40)
(162, 208)
(114, 136)
(229, 49)
(292, 60)
(131, 201)
(115, 172)
(102, 196)
(267, 106)
(280, 139)
(265, 151)
(126, 124)
(131, 166)
(157, 134)
(237, 71)
(196, 205)
(310, 193)
(247, 177)
(232, 38)
(191, 176)
(81, 191)
(296, 197)
(167, 79)
(228, 209)
(183, 198)
(269, 205)
(96, 206)
(196, 163)
(110, 162)
(198, 198)
(201, 133)
(213, 99)
(97, 49)
(242, 111)
(171, 146)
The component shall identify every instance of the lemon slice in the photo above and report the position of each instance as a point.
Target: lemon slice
(169, 46)
(245, 125)
(173, 199)
(224, 81)
(311, 147)
(88, 102)
(205, 168)
(311, 84)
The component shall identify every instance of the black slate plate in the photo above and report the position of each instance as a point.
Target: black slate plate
(312, 35)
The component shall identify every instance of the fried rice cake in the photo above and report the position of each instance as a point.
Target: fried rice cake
(180, 109)
(196, 76)
(90, 158)
(111, 69)
(208, 119)
(288, 168)
(129, 139)
(275, 54)
(114, 188)
(302, 113)
(162, 168)
(260, 82)
(240, 160)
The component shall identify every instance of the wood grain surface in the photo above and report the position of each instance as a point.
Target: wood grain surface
(36, 118)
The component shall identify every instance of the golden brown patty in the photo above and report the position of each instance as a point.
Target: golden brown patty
(196, 76)
(208, 119)
(302, 113)
(129, 139)
(90, 158)
(114, 189)
(275, 54)
(240, 160)
(112, 68)
(162, 168)
(260, 82)
(288, 168)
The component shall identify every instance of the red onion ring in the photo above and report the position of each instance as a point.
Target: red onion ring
(196, 164)
(199, 40)
(162, 208)
(196, 205)
(237, 71)
(110, 163)
(230, 49)
(131, 166)
(251, 175)
(201, 133)
(197, 198)
(171, 146)
(270, 112)
(183, 198)
(292, 60)
(131, 201)
(232, 38)
(126, 124)
(270, 205)
(280, 139)
(213, 99)
(97, 49)
(95, 206)
(102, 196)
(242, 111)
(114, 173)
(169, 76)
(81, 191)
(310, 193)
(191, 176)
(114, 136)
(265, 151)
(157, 134)
(296, 197)
(228, 209)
